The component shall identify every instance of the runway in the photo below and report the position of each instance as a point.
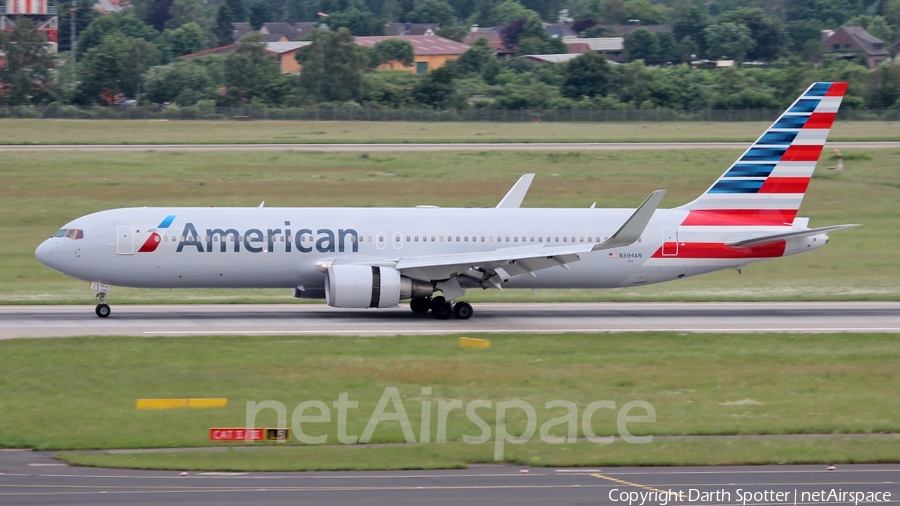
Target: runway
(511, 146)
(521, 318)
(35, 478)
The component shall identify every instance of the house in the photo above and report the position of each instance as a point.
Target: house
(542, 59)
(430, 51)
(847, 41)
(492, 34)
(110, 6)
(625, 30)
(611, 47)
(394, 29)
(559, 31)
(275, 32)
(284, 51)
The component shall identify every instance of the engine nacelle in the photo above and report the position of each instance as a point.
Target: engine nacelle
(363, 286)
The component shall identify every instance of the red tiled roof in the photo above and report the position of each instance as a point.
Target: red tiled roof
(423, 45)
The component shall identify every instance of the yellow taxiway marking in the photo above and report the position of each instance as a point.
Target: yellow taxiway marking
(636, 485)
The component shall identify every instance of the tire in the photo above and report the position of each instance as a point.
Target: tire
(462, 310)
(420, 305)
(442, 312)
(437, 302)
(102, 310)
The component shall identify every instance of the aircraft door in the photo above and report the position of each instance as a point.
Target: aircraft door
(125, 240)
(670, 241)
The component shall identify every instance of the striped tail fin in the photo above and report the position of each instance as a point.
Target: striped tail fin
(765, 186)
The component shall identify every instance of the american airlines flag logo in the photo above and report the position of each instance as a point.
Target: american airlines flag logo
(613, 255)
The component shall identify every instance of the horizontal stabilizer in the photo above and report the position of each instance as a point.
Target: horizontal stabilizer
(516, 194)
(757, 241)
(634, 227)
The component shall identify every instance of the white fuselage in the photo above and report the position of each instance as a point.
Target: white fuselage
(285, 247)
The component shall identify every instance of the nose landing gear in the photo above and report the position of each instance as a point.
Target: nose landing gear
(101, 290)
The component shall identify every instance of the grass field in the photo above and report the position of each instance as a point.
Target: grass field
(459, 455)
(79, 393)
(41, 191)
(23, 131)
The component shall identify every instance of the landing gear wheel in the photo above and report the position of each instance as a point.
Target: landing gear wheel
(462, 310)
(420, 305)
(437, 302)
(102, 310)
(442, 312)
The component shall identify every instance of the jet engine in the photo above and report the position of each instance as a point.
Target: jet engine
(362, 286)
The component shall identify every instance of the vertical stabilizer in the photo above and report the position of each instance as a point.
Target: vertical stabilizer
(765, 186)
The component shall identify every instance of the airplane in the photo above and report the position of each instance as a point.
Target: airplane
(376, 257)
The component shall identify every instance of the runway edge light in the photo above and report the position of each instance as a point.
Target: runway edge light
(471, 342)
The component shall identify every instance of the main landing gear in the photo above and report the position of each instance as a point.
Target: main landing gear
(440, 308)
(101, 290)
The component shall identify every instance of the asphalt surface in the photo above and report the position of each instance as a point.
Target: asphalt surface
(512, 146)
(296, 319)
(36, 478)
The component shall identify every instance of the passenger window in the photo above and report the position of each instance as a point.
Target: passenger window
(515, 239)
(457, 238)
(565, 239)
(507, 239)
(442, 238)
(532, 239)
(282, 238)
(165, 238)
(540, 239)
(417, 238)
(557, 239)
(573, 239)
(432, 238)
(215, 238)
(589, 239)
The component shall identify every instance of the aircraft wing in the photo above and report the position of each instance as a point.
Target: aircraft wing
(492, 267)
(756, 241)
(516, 194)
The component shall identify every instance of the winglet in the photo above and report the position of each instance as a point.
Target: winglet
(632, 229)
(516, 194)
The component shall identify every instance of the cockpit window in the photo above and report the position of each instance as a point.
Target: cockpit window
(61, 233)
(72, 233)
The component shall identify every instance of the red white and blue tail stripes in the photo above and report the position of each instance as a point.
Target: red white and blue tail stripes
(765, 186)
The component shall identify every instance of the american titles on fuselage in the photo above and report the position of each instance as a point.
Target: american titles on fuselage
(255, 240)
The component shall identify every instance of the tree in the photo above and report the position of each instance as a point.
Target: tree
(25, 72)
(884, 87)
(187, 39)
(300, 10)
(238, 12)
(635, 83)
(668, 48)
(613, 12)
(505, 12)
(332, 66)
(433, 11)
(687, 49)
(184, 12)
(183, 82)
(359, 21)
(392, 50)
(728, 40)
(645, 12)
(876, 25)
(512, 32)
(767, 35)
(476, 58)
(642, 45)
(84, 15)
(436, 88)
(260, 13)
(586, 76)
(690, 22)
(804, 38)
(159, 15)
(224, 30)
(253, 76)
(115, 67)
(124, 23)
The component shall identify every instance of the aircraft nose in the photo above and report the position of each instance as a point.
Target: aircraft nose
(44, 253)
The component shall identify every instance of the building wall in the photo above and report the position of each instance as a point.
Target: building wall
(846, 43)
(433, 61)
(289, 64)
